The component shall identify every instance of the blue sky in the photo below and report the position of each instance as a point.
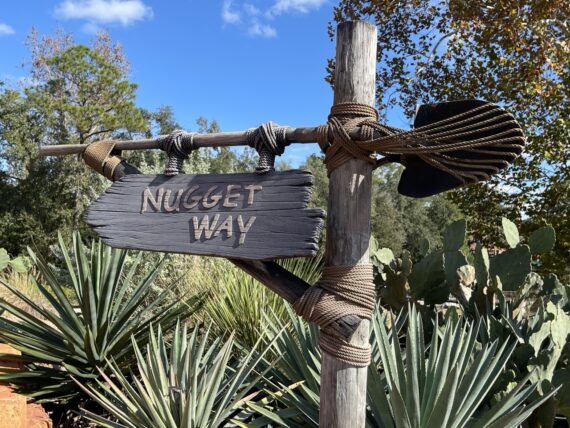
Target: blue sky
(241, 62)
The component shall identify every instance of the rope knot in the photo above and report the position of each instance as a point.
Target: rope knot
(334, 137)
(178, 145)
(342, 290)
(269, 140)
(452, 144)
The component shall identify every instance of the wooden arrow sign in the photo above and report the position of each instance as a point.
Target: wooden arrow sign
(242, 216)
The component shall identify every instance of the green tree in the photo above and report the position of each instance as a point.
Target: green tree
(34, 191)
(160, 122)
(320, 192)
(510, 52)
(408, 221)
(223, 159)
(83, 95)
(386, 221)
(79, 94)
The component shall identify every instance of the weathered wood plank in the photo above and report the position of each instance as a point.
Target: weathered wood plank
(244, 216)
(274, 277)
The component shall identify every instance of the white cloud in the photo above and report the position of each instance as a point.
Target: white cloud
(258, 22)
(262, 30)
(303, 6)
(6, 30)
(251, 10)
(95, 12)
(229, 15)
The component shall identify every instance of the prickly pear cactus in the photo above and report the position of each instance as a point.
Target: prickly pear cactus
(534, 314)
(441, 274)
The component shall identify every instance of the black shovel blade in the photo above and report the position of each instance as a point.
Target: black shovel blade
(421, 179)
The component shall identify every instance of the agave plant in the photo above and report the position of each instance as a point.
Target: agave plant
(445, 384)
(295, 378)
(86, 322)
(194, 384)
(295, 375)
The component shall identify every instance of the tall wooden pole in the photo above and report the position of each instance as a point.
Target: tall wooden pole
(343, 387)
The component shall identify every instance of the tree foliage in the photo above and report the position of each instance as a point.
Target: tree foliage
(397, 221)
(77, 95)
(512, 52)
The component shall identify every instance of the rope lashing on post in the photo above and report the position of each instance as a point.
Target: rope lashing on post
(178, 145)
(334, 138)
(466, 146)
(342, 290)
(270, 140)
(100, 158)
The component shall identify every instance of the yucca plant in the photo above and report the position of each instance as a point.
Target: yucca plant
(193, 383)
(448, 382)
(86, 322)
(444, 384)
(296, 373)
(295, 376)
(239, 303)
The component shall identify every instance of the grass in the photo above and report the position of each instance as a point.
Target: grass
(23, 283)
(237, 302)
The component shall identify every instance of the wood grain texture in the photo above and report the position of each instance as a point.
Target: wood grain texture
(272, 275)
(343, 387)
(243, 216)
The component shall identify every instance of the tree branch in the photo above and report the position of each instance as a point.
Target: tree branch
(91, 134)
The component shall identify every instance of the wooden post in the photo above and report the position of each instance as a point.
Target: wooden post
(343, 387)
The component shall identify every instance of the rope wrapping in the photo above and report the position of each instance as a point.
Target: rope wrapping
(270, 140)
(462, 147)
(99, 157)
(452, 144)
(342, 290)
(178, 146)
